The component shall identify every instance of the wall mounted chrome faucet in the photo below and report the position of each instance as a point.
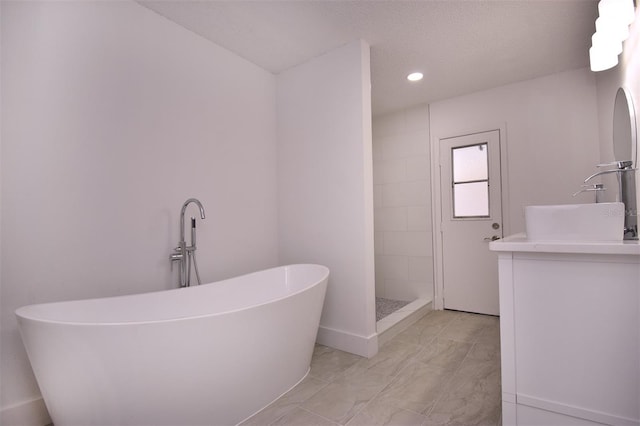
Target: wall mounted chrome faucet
(184, 254)
(626, 175)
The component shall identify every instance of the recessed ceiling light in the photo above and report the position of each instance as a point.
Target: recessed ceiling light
(415, 76)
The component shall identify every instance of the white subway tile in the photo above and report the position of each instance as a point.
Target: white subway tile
(408, 120)
(419, 218)
(418, 168)
(406, 290)
(416, 119)
(405, 194)
(381, 145)
(395, 267)
(377, 196)
(420, 289)
(390, 171)
(415, 243)
(386, 125)
(390, 219)
(378, 241)
(408, 145)
(380, 290)
(377, 149)
(379, 273)
(398, 290)
(421, 268)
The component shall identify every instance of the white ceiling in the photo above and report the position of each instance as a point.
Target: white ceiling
(462, 46)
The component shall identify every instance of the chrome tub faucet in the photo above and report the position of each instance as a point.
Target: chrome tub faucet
(184, 254)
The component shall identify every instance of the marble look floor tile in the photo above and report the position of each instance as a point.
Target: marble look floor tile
(416, 388)
(485, 352)
(423, 331)
(467, 327)
(477, 409)
(478, 318)
(472, 397)
(444, 353)
(343, 398)
(300, 417)
(490, 334)
(417, 335)
(286, 403)
(445, 316)
(328, 363)
(442, 370)
(391, 358)
(472, 369)
(378, 414)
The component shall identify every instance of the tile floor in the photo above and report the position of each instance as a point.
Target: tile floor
(442, 370)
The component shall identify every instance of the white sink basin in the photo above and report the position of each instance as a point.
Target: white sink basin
(575, 222)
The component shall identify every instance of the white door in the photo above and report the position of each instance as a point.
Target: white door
(471, 218)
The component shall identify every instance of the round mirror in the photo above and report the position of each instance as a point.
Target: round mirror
(624, 127)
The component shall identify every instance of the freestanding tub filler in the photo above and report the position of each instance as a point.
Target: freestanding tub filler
(206, 355)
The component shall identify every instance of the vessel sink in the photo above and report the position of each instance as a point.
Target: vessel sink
(575, 222)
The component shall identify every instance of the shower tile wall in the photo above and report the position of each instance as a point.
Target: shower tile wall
(402, 197)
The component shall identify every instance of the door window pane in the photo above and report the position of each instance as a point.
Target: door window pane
(470, 181)
(470, 163)
(471, 199)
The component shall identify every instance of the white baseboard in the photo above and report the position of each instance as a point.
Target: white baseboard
(366, 346)
(29, 413)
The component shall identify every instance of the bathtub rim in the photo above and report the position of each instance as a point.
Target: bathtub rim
(22, 312)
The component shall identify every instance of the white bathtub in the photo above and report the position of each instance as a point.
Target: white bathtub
(205, 355)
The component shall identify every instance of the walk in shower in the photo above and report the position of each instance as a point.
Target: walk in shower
(402, 217)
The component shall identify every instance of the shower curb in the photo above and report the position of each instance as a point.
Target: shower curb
(395, 323)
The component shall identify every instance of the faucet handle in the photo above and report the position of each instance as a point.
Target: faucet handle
(177, 254)
(617, 164)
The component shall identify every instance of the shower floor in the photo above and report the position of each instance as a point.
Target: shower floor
(385, 307)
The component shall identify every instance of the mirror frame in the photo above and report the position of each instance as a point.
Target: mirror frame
(625, 112)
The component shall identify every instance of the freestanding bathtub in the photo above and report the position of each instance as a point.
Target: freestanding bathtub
(213, 354)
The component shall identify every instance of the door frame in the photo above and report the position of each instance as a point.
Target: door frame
(436, 201)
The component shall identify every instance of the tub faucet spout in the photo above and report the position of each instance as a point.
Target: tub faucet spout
(184, 208)
(185, 254)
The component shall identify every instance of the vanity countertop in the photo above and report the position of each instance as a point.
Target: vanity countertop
(520, 243)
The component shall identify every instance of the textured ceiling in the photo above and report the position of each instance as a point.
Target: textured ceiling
(462, 46)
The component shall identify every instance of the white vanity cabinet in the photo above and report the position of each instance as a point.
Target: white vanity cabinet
(570, 332)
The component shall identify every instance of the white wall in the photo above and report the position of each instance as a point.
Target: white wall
(325, 187)
(551, 136)
(112, 117)
(402, 196)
